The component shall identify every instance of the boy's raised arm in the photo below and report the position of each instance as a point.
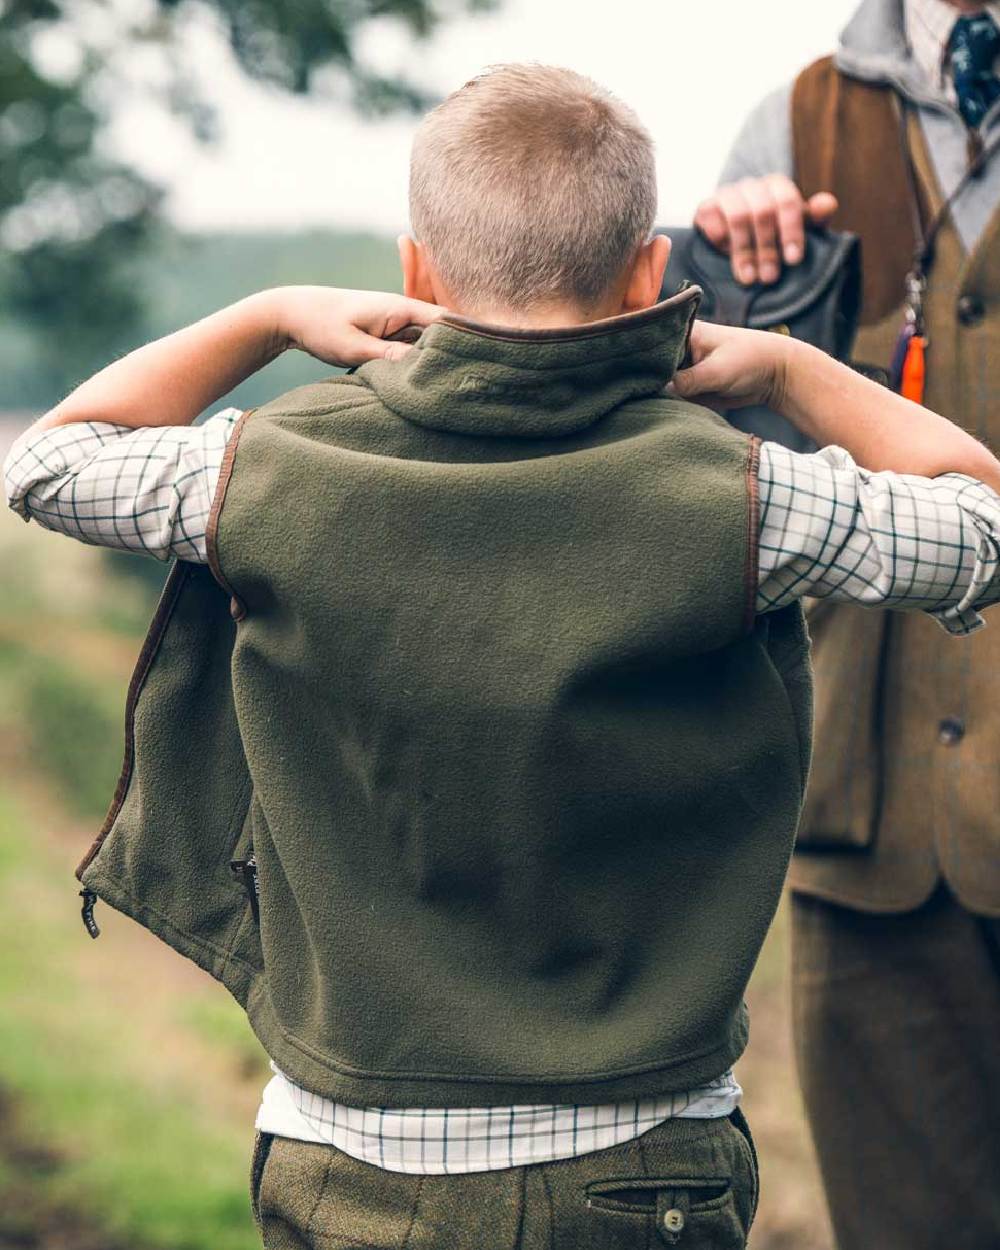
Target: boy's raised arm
(118, 463)
(172, 380)
(898, 510)
(829, 403)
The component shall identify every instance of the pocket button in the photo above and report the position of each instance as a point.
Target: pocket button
(673, 1220)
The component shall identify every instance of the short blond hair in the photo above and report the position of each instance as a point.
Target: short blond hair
(529, 186)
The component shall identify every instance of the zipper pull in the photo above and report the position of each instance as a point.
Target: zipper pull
(245, 870)
(87, 912)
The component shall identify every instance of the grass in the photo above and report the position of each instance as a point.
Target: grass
(72, 726)
(221, 1023)
(138, 1155)
(134, 1145)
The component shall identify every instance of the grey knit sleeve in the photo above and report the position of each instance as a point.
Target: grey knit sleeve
(764, 145)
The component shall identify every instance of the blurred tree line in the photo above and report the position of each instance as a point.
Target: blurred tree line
(73, 218)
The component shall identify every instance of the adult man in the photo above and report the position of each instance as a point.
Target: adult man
(498, 702)
(896, 980)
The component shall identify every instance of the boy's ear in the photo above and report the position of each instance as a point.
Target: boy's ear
(418, 281)
(646, 279)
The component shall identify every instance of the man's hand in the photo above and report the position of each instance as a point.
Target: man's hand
(734, 368)
(760, 222)
(346, 327)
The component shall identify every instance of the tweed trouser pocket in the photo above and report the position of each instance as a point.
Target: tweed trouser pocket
(687, 1183)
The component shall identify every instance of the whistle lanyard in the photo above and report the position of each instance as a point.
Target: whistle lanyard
(909, 362)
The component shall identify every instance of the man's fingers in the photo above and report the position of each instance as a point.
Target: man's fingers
(821, 207)
(762, 220)
(790, 209)
(764, 223)
(711, 221)
(739, 222)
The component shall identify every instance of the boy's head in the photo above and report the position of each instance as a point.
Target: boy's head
(532, 195)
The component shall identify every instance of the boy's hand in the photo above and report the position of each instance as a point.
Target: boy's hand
(170, 381)
(829, 403)
(346, 327)
(735, 368)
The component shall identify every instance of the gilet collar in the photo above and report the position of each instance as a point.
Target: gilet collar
(466, 378)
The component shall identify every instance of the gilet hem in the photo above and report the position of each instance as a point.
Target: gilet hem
(324, 1075)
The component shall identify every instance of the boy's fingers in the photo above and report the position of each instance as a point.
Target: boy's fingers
(419, 313)
(697, 380)
(705, 336)
(411, 315)
(698, 344)
(361, 347)
(396, 351)
(395, 331)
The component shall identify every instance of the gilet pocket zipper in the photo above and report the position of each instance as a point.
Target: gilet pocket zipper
(87, 912)
(245, 870)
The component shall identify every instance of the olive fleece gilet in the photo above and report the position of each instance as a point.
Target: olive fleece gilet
(518, 767)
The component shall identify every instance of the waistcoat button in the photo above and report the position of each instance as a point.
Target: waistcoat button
(951, 731)
(971, 310)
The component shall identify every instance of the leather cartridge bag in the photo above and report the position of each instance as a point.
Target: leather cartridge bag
(817, 301)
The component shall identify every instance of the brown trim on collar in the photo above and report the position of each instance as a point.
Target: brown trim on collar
(237, 607)
(751, 573)
(151, 644)
(589, 330)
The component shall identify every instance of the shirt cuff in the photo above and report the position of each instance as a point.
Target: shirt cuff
(981, 505)
(32, 458)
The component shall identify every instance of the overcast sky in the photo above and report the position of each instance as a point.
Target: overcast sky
(691, 71)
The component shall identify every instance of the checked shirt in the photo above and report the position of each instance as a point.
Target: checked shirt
(828, 529)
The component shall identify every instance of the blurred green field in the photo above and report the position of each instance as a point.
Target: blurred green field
(187, 276)
(128, 1079)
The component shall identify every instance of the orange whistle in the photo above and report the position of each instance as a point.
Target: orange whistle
(914, 370)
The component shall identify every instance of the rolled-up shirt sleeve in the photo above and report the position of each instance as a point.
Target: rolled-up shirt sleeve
(147, 490)
(831, 529)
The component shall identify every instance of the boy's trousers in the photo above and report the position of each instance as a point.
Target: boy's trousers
(897, 1021)
(688, 1183)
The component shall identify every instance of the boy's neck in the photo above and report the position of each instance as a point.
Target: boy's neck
(548, 317)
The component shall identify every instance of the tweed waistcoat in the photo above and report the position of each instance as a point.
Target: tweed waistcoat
(906, 781)
(519, 769)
